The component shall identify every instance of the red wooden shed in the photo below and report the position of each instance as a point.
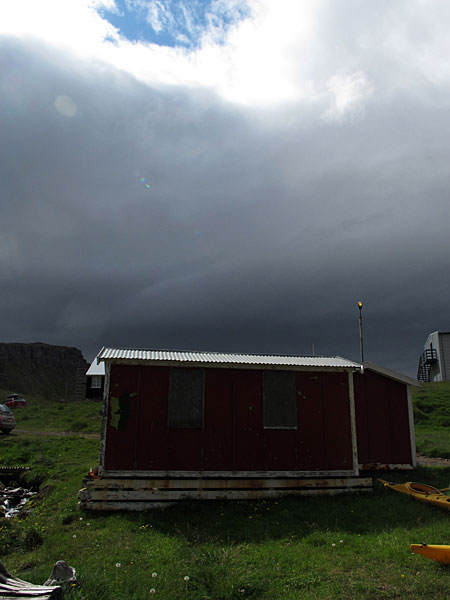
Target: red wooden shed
(384, 419)
(211, 425)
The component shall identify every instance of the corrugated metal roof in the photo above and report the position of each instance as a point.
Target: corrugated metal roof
(174, 356)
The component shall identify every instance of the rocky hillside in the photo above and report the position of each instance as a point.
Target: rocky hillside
(54, 372)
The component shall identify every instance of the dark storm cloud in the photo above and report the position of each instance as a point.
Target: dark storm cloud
(258, 232)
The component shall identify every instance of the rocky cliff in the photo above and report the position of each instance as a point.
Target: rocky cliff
(54, 372)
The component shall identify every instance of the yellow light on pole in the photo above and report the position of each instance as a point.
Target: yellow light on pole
(361, 347)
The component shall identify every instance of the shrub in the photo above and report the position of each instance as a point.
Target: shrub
(32, 539)
(78, 425)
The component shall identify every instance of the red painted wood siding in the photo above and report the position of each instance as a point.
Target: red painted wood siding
(233, 437)
(382, 421)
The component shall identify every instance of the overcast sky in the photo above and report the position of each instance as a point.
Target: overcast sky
(226, 175)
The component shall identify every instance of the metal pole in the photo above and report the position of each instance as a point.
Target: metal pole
(361, 346)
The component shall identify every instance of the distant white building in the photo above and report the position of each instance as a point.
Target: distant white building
(95, 380)
(434, 362)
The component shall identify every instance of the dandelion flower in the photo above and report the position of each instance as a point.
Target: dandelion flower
(152, 590)
(74, 536)
(403, 575)
(186, 578)
(333, 545)
(81, 518)
(154, 574)
(118, 565)
(341, 541)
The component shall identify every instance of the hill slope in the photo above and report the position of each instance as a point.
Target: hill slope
(432, 419)
(39, 369)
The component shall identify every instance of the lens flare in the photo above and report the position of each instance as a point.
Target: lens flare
(66, 106)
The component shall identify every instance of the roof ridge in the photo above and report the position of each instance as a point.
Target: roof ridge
(221, 352)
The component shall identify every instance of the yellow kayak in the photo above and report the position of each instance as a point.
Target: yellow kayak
(440, 554)
(420, 491)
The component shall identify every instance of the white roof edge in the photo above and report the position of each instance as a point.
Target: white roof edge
(392, 374)
(357, 365)
(96, 367)
(216, 358)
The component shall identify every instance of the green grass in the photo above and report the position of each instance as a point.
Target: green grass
(285, 549)
(41, 414)
(432, 419)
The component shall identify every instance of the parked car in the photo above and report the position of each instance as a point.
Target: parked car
(14, 401)
(7, 420)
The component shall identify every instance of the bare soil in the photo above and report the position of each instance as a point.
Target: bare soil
(58, 433)
(431, 461)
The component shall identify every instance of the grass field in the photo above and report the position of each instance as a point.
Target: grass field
(432, 419)
(354, 546)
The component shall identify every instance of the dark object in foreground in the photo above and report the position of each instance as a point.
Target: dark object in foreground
(12, 587)
(13, 500)
(62, 574)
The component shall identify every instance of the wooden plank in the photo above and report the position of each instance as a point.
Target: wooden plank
(311, 422)
(400, 434)
(95, 495)
(14, 588)
(94, 502)
(379, 418)
(218, 432)
(158, 495)
(152, 484)
(385, 467)
(337, 424)
(248, 432)
(412, 434)
(351, 398)
(362, 418)
(123, 418)
(232, 474)
(152, 439)
(280, 449)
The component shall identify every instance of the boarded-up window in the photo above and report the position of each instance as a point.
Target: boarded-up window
(280, 401)
(186, 397)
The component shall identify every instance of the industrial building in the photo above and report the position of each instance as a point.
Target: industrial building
(434, 362)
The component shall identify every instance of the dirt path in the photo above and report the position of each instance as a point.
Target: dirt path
(94, 436)
(428, 461)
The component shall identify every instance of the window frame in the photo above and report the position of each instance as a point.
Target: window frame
(96, 382)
